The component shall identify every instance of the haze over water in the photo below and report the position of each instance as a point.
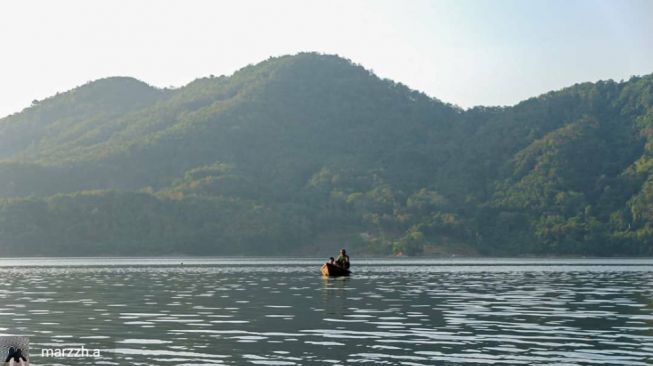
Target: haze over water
(282, 312)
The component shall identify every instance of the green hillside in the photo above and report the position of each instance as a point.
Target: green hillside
(302, 154)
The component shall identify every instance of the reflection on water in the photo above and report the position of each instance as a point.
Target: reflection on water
(391, 312)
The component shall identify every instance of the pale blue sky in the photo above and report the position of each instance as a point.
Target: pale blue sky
(468, 53)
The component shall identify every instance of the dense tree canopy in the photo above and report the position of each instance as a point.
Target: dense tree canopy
(306, 153)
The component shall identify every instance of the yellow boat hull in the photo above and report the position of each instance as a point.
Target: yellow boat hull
(331, 270)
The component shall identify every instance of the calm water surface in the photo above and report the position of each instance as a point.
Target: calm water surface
(282, 312)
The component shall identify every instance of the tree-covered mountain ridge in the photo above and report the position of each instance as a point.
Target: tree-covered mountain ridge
(302, 154)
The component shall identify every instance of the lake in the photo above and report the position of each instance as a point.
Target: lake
(262, 311)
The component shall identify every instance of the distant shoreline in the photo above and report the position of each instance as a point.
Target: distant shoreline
(398, 258)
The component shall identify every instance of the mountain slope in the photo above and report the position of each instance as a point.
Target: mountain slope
(282, 108)
(304, 150)
(71, 117)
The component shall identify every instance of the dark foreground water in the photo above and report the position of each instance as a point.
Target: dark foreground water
(282, 312)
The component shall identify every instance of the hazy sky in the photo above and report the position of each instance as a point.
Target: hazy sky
(463, 52)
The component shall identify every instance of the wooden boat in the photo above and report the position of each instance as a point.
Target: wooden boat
(331, 270)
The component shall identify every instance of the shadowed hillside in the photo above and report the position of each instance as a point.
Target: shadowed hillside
(300, 154)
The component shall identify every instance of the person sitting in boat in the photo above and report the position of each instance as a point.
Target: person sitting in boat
(343, 260)
(331, 261)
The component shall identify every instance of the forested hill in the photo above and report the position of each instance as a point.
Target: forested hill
(306, 153)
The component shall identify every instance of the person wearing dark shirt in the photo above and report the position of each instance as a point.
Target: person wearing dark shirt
(343, 259)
